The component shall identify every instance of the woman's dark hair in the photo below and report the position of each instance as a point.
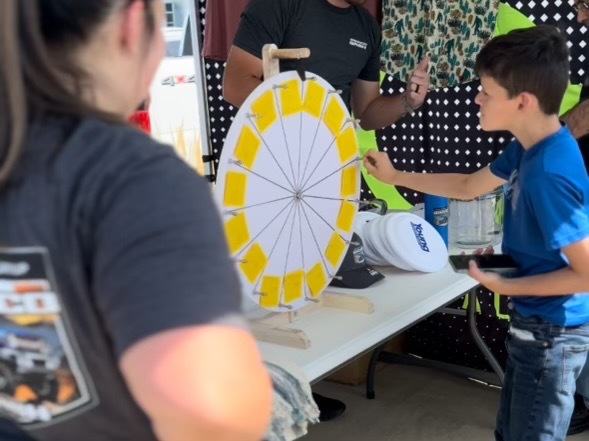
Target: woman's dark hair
(533, 60)
(38, 74)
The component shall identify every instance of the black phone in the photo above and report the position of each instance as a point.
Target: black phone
(496, 263)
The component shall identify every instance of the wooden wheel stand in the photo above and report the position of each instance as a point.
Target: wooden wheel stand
(275, 328)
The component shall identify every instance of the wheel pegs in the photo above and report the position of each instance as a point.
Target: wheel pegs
(355, 122)
(301, 71)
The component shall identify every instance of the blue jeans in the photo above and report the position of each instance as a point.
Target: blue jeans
(583, 384)
(544, 362)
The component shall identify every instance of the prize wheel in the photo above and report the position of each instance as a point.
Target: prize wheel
(288, 186)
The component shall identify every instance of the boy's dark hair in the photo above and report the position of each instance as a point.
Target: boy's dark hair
(533, 60)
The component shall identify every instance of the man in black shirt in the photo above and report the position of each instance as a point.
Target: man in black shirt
(578, 118)
(345, 50)
(344, 40)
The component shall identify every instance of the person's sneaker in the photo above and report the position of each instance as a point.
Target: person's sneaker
(580, 418)
(328, 407)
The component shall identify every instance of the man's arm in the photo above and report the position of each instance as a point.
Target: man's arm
(202, 382)
(578, 119)
(376, 111)
(243, 73)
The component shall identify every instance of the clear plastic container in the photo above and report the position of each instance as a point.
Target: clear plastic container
(476, 223)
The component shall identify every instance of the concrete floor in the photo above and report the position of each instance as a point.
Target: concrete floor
(413, 404)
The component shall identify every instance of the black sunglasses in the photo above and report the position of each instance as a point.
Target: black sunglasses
(581, 6)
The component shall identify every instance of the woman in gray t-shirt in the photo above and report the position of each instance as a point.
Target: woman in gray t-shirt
(119, 306)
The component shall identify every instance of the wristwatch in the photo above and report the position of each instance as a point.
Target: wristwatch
(410, 110)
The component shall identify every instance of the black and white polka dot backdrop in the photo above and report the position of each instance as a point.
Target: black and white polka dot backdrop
(444, 136)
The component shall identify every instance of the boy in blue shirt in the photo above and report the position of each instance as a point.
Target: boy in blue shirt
(524, 75)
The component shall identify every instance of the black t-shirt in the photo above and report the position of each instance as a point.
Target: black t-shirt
(137, 248)
(585, 90)
(344, 42)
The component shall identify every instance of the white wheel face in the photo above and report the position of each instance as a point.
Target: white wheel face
(288, 185)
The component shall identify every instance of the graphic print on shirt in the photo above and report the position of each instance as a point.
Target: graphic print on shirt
(41, 379)
(358, 44)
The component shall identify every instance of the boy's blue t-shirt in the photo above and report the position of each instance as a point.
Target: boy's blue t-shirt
(546, 209)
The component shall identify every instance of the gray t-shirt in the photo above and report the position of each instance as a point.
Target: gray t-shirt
(137, 248)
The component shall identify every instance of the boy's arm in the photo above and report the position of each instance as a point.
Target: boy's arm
(571, 279)
(452, 185)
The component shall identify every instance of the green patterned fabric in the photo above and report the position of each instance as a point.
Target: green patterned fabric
(450, 32)
(508, 19)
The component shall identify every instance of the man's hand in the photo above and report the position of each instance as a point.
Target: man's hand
(376, 111)
(378, 164)
(418, 85)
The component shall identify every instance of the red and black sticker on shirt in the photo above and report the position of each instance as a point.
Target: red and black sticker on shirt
(41, 379)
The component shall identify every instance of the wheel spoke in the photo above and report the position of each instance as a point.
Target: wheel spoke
(325, 154)
(237, 210)
(314, 137)
(271, 153)
(243, 167)
(286, 145)
(291, 202)
(319, 250)
(324, 221)
(289, 218)
(330, 175)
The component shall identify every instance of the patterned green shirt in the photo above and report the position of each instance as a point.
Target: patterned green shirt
(450, 32)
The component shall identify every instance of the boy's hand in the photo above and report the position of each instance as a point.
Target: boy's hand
(492, 281)
(479, 251)
(418, 85)
(379, 165)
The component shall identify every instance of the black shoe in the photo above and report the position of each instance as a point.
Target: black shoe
(580, 418)
(328, 407)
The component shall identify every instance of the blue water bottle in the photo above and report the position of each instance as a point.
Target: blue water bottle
(436, 213)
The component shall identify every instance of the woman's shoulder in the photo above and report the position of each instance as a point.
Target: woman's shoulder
(103, 147)
(118, 140)
(95, 155)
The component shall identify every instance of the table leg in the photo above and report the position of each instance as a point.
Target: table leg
(374, 359)
(471, 318)
(380, 355)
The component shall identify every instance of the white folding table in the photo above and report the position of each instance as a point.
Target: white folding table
(400, 300)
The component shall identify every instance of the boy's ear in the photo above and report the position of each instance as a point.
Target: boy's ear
(527, 101)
